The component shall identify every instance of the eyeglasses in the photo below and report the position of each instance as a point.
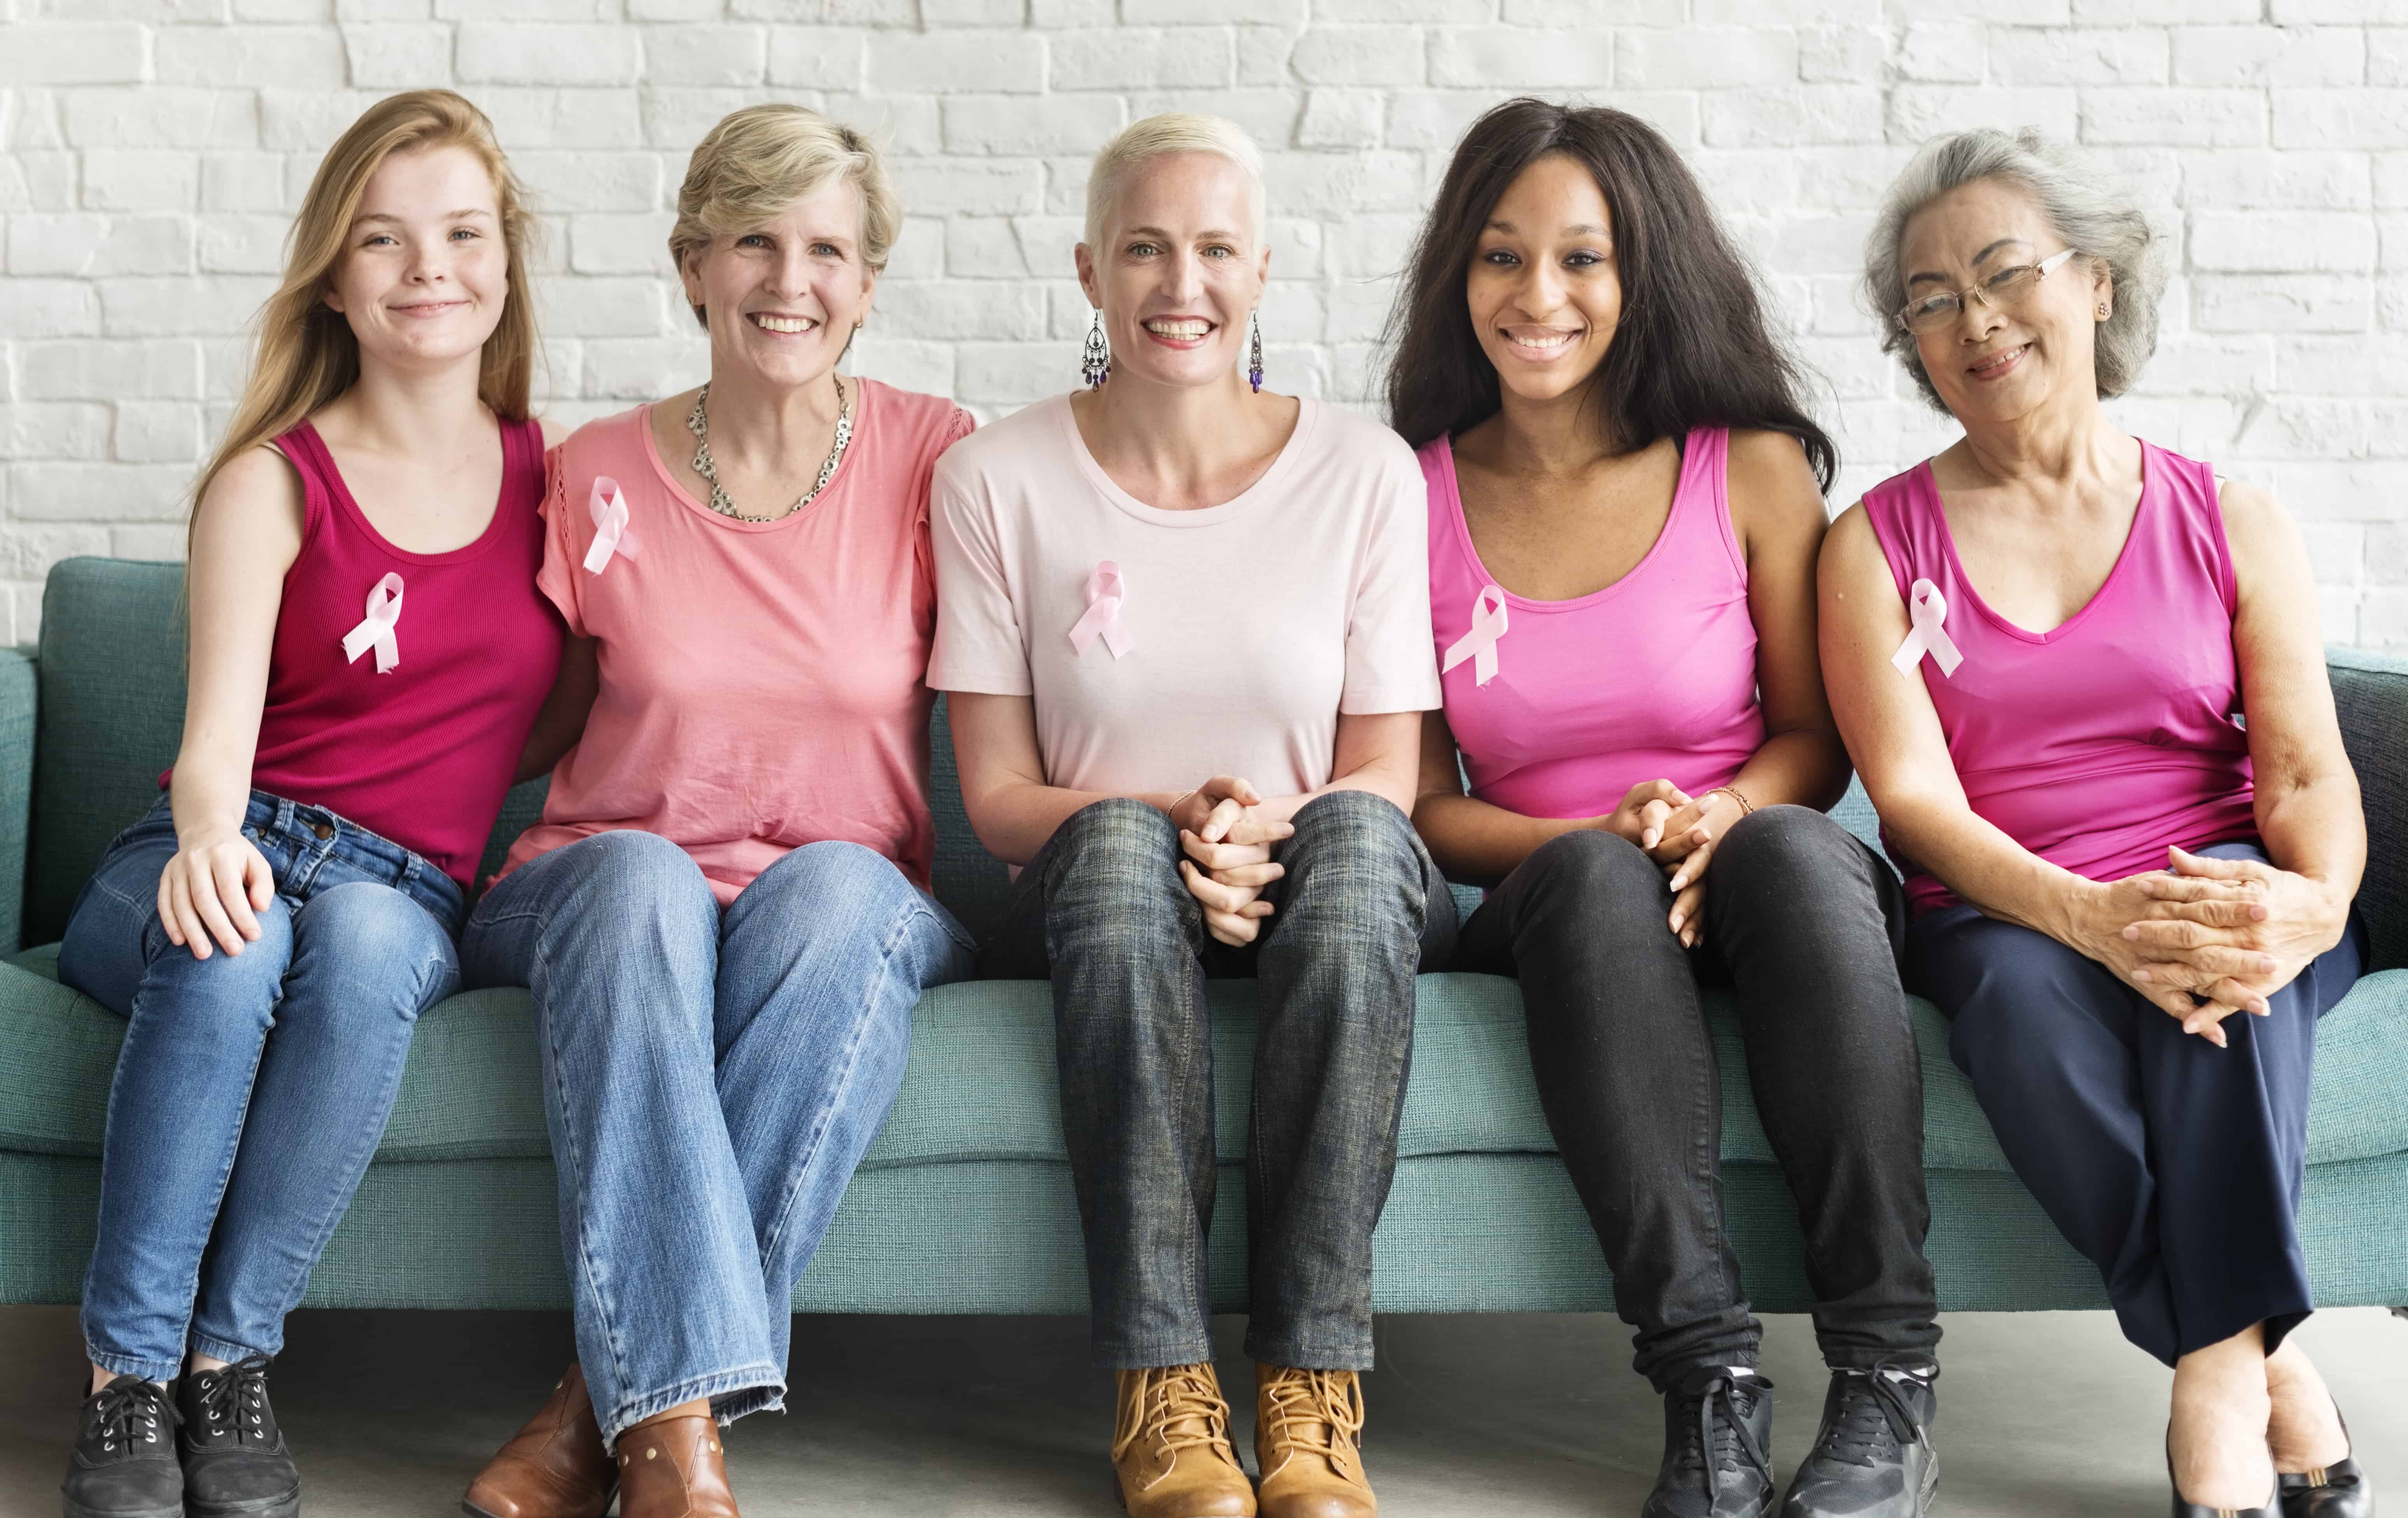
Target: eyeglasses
(2001, 291)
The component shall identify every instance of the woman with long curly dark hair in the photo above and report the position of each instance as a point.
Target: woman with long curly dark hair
(1624, 523)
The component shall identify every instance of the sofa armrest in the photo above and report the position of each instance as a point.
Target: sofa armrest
(2371, 691)
(16, 711)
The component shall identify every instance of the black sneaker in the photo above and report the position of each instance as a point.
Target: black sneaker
(1874, 1458)
(235, 1461)
(1717, 1436)
(124, 1459)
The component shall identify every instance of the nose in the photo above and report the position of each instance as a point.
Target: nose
(1976, 318)
(426, 264)
(1540, 290)
(1183, 277)
(791, 274)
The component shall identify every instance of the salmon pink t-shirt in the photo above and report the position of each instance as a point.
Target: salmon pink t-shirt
(762, 681)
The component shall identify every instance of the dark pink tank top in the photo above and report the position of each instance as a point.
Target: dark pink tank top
(2099, 743)
(1652, 678)
(423, 753)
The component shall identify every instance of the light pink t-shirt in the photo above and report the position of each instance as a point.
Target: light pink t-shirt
(1250, 625)
(761, 682)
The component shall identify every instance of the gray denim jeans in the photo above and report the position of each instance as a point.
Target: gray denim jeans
(1102, 912)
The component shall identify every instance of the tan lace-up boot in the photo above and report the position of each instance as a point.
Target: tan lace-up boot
(1171, 1446)
(1308, 1444)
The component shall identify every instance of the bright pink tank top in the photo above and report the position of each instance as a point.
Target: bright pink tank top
(1652, 678)
(2096, 744)
(423, 754)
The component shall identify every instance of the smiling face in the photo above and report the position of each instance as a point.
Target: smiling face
(426, 272)
(782, 299)
(1543, 290)
(1178, 269)
(1998, 363)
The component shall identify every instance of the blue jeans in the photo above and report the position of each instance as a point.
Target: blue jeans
(252, 1088)
(710, 1082)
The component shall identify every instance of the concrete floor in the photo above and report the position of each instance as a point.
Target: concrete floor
(1502, 1417)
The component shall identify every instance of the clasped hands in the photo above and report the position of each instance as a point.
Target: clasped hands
(1228, 843)
(1680, 833)
(2206, 938)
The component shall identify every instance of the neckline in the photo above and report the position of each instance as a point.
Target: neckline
(339, 491)
(1925, 479)
(678, 491)
(1690, 456)
(1308, 415)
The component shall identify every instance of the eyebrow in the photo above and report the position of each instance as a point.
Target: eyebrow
(1927, 277)
(446, 216)
(1578, 229)
(1160, 236)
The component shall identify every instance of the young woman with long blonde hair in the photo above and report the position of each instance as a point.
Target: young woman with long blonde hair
(370, 658)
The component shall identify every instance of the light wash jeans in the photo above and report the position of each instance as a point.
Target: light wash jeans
(709, 1081)
(252, 1088)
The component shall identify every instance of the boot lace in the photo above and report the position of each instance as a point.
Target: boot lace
(1180, 1408)
(1331, 1399)
(128, 1411)
(234, 1402)
(1714, 1436)
(1874, 1419)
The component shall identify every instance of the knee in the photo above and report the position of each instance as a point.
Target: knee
(1120, 851)
(628, 879)
(1594, 873)
(1353, 825)
(833, 870)
(1784, 846)
(385, 950)
(241, 989)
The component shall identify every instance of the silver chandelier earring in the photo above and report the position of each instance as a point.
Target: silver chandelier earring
(1254, 365)
(1096, 364)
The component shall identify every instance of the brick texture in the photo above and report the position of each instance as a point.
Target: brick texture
(151, 150)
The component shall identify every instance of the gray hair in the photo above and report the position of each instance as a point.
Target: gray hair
(2085, 207)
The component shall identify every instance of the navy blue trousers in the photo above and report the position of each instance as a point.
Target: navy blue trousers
(2173, 1165)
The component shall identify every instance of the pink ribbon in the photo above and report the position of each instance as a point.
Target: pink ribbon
(1102, 618)
(376, 629)
(1480, 644)
(1926, 608)
(611, 534)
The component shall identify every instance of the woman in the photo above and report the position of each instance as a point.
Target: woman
(368, 657)
(724, 915)
(1182, 619)
(1624, 513)
(2082, 678)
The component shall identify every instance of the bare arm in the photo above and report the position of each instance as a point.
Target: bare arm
(562, 719)
(1777, 513)
(1011, 808)
(1475, 841)
(245, 536)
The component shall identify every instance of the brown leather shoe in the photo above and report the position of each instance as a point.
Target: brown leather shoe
(674, 1469)
(554, 1467)
(1171, 1446)
(1308, 1444)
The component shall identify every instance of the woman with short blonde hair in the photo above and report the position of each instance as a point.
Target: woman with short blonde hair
(724, 915)
(2081, 677)
(1185, 630)
(369, 660)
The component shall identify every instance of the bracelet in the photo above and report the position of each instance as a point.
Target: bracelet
(1178, 801)
(1745, 805)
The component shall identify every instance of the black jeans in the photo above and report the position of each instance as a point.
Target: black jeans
(1102, 912)
(1804, 921)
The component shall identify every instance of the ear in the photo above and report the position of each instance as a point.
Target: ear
(331, 299)
(689, 278)
(1085, 258)
(2102, 288)
(868, 290)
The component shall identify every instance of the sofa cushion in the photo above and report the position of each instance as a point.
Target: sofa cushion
(981, 1081)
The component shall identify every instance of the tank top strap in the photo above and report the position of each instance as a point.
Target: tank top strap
(2184, 513)
(1701, 499)
(306, 452)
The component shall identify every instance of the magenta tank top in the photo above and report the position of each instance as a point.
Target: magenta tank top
(423, 753)
(1652, 678)
(2101, 742)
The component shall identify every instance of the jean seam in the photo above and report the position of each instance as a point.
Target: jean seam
(584, 1255)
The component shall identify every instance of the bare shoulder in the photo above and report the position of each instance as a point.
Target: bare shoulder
(258, 488)
(1771, 484)
(553, 433)
(2251, 514)
(1849, 547)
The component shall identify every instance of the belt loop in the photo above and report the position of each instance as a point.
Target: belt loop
(282, 819)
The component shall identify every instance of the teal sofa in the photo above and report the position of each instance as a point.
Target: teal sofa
(964, 1205)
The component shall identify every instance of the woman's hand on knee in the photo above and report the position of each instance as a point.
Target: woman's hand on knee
(214, 888)
(2102, 917)
(2221, 926)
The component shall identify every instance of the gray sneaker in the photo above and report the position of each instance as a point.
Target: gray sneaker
(1873, 1457)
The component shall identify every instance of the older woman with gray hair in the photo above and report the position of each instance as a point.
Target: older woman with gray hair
(2081, 677)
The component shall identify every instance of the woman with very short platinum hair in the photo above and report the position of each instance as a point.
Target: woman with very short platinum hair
(2081, 677)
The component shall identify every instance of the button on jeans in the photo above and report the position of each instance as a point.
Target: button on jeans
(252, 1088)
(1102, 910)
(709, 1081)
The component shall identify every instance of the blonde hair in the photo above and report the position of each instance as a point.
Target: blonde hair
(307, 355)
(1158, 136)
(760, 160)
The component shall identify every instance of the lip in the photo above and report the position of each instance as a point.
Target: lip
(423, 310)
(1999, 365)
(1177, 343)
(1562, 340)
(755, 319)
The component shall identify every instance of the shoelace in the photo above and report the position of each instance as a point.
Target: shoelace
(1175, 1395)
(128, 1411)
(1332, 1398)
(1719, 1437)
(235, 1401)
(1875, 1420)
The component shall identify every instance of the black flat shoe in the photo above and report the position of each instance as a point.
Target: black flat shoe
(235, 1464)
(2186, 1508)
(2340, 1490)
(124, 1459)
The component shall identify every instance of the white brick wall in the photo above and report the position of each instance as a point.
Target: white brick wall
(151, 150)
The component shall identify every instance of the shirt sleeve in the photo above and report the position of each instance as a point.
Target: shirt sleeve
(979, 646)
(1390, 663)
(557, 579)
(923, 551)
